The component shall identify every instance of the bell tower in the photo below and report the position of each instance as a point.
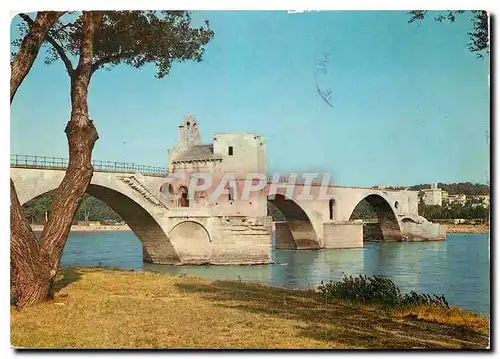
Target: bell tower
(188, 136)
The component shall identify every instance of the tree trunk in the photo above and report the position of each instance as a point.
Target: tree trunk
(81, 135)
(29, 48)
(29, 284)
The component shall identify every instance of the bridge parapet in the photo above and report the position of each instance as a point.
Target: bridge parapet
(59, 163)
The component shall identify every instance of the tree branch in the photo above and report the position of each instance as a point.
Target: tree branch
(108, 59)
(30, 46)
(55, 31)
(59, 49)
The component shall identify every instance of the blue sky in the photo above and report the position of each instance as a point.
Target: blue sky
(411, 103)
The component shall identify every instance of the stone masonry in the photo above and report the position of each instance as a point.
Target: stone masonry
(194, 228)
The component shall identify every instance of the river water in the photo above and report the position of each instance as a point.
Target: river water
(459, 267)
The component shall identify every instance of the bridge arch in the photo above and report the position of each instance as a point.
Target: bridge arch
(157, 247)
(132, 207)
(191, 239)
(387, 228)
(293, 227)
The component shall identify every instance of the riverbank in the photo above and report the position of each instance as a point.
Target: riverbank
(94, 228)
(467, 228)
(103, 308)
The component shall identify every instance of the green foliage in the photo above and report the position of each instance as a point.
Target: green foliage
(467, 188)
(479, 36)
(36, 208)
(364, 211)
(480, 33)
(454, 211)
(135, 38)
(91, 209)
(377, 290)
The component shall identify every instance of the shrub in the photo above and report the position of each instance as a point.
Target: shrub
(377, 290)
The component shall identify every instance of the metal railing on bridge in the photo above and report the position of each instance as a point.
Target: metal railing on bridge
(44, 162)
(298, 181)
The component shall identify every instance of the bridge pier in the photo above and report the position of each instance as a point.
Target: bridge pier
(220, 240)
(241, 240)
(422, 230)
(342, 235)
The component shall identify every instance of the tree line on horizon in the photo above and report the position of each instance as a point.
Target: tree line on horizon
(467, 188)
(434, 212)
(90, 209)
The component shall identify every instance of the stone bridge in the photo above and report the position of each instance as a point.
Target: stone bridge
(231, 230)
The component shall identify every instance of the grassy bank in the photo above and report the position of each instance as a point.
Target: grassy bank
(99, 308)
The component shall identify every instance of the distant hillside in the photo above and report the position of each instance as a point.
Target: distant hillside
(467, 188)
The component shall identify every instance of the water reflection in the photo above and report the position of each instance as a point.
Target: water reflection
(457, 267)
(306, 269)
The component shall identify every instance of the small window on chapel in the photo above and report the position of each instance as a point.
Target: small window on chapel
(230, 150)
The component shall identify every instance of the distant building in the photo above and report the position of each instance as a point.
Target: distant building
(482, 200)
(460, 199)
(486, 200)
(433, 196)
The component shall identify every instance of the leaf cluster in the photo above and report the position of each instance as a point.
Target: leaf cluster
(479, 36)
(135, 38)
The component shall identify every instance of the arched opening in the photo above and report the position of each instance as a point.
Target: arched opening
(183, 199)
(191, 241)
(293, 228)
(90, 212)
(167, 189)
(331, 207)
(379, 220)
(156, 246)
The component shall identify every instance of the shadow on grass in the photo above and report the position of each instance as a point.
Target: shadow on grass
(342, 324)
(65, 277)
